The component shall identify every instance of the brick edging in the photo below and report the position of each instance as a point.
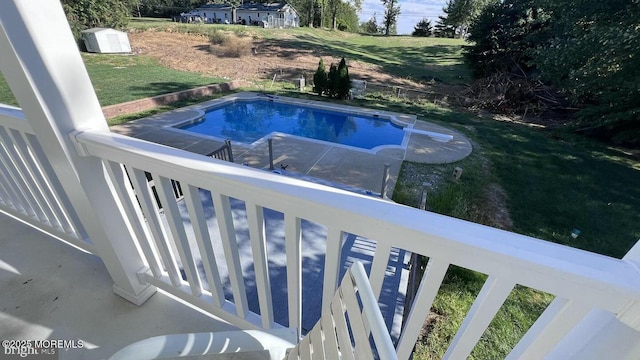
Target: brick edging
(156, 101)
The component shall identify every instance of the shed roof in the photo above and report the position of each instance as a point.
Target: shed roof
(99, 29)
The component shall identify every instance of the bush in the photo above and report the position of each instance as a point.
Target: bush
(334, 84)
(332, 81)
(229, 44)
(343, 83)
(218, 37)
(85, 14)
(320, 79)
(422, 28)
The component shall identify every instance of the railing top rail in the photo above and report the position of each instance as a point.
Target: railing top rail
(607, 282)
(14, 118)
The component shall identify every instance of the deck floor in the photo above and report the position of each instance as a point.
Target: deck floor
(50, 290)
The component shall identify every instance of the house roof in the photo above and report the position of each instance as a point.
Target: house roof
(246, 7)
(220, 7)
(262, 7)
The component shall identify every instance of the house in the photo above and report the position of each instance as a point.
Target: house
(271, 15)
(265, 15)
(215, 13)
(84, 261)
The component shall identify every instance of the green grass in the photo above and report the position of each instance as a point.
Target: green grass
(558, 182)
(118, 78)
(457, 293)
(6, 96)
(122, 78)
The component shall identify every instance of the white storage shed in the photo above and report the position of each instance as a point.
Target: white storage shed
(103, 40)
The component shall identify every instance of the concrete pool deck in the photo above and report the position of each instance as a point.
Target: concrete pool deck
(333, 163)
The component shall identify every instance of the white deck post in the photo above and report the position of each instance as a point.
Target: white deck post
(604, 335)
(41, 63)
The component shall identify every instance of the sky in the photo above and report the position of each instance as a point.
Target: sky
(411, 11)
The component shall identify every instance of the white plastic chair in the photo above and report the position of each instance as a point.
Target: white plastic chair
(358, 89)
(352, 329)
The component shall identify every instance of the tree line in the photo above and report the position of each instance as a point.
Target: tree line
(455, 21)
(334, 14)
(589, 50)
(586, 51)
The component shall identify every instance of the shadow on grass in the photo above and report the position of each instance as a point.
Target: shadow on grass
(555, 181)
(417, 63)
(160, 88)
(583, 185)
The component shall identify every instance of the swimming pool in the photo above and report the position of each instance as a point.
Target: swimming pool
(248, 121)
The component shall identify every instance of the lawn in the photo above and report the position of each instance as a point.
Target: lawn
(554, 182)
(6, 97)
(121, 78)
(549, 182)
(419, 59)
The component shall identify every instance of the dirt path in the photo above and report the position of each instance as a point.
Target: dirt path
(190, 52)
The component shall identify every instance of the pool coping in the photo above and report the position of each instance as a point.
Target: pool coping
(201, 109)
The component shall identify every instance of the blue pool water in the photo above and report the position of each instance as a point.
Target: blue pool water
(248, 121)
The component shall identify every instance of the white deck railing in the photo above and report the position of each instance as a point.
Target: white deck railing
(581, 281)
(29, 188)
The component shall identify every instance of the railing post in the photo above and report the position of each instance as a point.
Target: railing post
(605, 335)
(270, 141)
(229, 150)
(385, 179)
(41, 63)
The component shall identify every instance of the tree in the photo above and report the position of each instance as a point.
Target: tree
(371, 26)
(592, 55)
(342, 11)
(422, 28)
(391, 12)
(504, 35)
(332, 80)
(345, 11)
(85, 14)
(348, 18)
(343, 83)
(165, 8)
(305, 10)
(587, 49)
(460, 13)
(333, 7)
(334, 84)
(443, 29)
(320, 78)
